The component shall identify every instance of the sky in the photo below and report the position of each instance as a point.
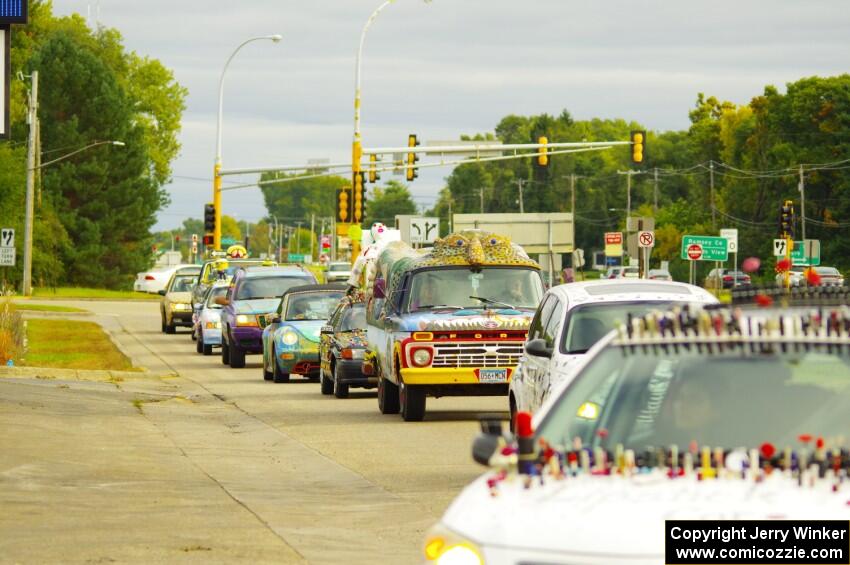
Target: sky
(449, 67)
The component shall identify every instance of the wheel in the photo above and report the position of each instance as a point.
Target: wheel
(169, 328)
(162, 318)
(207, 349)
(340, 388)
(199, 344)
(327, 384)
(267, 375)
(387, 397)
(193, 334)
(279, 376)
(225, 352)
(513, 413)
(237, 357)
(412, 400)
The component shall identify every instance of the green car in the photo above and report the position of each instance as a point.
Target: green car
(291, 335)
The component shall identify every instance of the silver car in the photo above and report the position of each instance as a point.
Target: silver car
(338, 271)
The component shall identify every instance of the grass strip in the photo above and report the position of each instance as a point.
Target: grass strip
(46, 308)
(64, 344)
(91, 293)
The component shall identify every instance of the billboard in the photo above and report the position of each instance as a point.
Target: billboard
(4, 80)
(13, 12)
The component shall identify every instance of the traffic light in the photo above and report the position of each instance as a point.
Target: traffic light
(209, 239)
(543, 152)
(786, 219)
(209, 218)
(638, 139)
(358, 200)
(412, 158)
(373, 168)
(343, 205)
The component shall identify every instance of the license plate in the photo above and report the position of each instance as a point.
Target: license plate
(492, 375)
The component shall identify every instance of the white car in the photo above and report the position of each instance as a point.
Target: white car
(207, 319)
(155, 280)
(742, 402)
(572, 317)
(338, 271)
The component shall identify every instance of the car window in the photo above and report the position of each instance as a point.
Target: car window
(339, 267)
(268, 287)
(181, 283)
(311, 305)
(214, 293)
(353, 318)
(535, 330)
(550, 332)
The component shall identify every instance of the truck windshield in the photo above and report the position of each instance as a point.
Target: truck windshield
(493, 287)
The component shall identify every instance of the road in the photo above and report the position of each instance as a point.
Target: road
(214, 464)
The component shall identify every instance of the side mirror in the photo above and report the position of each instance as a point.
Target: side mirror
(327, 330)
(222, 300)
(487, 442)
(537, 347)
(161, 292)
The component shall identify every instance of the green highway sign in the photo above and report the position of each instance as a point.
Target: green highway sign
(296, 258)
(806, 253)
(227, 241)
(704, 248)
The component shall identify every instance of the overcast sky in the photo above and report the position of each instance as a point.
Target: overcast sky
(451, 67)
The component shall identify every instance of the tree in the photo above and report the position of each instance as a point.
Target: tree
(300, 198)
(387, 202)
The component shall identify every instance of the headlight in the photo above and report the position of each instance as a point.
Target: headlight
(421, 357)
(289, 337)
(444, 547)
(213, 325)
(180, 306)
(245, 320)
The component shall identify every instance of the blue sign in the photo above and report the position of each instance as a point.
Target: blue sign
(13, 12)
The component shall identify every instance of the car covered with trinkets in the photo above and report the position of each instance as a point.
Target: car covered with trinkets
(291, 335)
(342, 349)
(572, 317)
(695, 413)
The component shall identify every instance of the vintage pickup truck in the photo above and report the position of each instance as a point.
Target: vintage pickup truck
(448, 321)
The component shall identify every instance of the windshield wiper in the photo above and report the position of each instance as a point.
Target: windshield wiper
(433, 306)
(493, 302)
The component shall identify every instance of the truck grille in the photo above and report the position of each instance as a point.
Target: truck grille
(477, 354)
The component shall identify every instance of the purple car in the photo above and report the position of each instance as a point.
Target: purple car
(253, 292)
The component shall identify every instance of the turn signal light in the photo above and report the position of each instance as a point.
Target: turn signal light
(423, 336)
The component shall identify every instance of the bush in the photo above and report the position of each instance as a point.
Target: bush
(11, 329)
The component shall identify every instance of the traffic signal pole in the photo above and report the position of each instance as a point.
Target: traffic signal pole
(217, 204)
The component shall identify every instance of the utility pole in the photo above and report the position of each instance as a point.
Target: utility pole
(655, 194)
(481, 195)
(312, 234)
(802, 188)
(450, 214)
(519, 183)
(32, 118)
(628, 195)
(573, 196)
(713, 211)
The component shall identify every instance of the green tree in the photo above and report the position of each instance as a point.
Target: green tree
(385, 203)
(300, 198)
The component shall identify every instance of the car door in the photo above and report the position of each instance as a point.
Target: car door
(326, 340)
(546, 373)
(530, 366)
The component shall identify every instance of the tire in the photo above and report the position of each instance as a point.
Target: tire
(225, 352)
(513, 413)
(412, 400)
(267, 375)
(162, 318)
(327, 384)
(207, 349)
(279, 376)
(170, 329)
(237, 357)
(199, 344)
(387, 396)
(340, 388)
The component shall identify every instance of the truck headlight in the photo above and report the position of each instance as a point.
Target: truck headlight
(444, 547)
(289, 337)
(245, 320)
(421, 356)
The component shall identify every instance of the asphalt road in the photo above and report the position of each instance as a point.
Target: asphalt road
(216, 465)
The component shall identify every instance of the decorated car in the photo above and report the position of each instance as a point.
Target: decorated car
(208, 319)
(222, 267)
(342, 349)
(175, 307)
(691, 414)
(449, 321)
(291, 337)
(253, 292)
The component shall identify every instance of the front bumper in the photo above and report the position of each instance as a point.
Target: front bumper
(212, 337)
(299, 361)
(181, 318)
(448, 376)
(248, 338)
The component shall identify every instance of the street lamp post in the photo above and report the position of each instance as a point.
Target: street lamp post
(29, 218)
(217, 167)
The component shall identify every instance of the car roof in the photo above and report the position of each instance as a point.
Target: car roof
(630, 290)
(316, 288)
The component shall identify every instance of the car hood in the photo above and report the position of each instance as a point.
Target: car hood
(179, 297)
(504, 319)
(353, 338)
(259, 306)
(582, 515)
(309, 329)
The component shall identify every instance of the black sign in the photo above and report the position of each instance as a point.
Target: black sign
(13, 12)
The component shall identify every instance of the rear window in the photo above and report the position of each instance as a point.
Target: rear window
(604, 289)
(826, 270)
(339, 267)
(256, 288)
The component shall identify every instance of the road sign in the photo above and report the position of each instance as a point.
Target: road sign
(296, 258)
(637, 223)
(731, 236)
(646, 239)
(779, 247)
(614, 244)
(326, 242)
(7, 237)
(7, 247)
(226, 241)
(806, 252)
(704, 248)
(424, 230)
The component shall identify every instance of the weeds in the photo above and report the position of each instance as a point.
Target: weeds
(11, 329)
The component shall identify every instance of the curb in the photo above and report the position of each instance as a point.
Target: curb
(50, 373)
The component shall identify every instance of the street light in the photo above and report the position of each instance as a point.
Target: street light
(217, 167)
(29, 216)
